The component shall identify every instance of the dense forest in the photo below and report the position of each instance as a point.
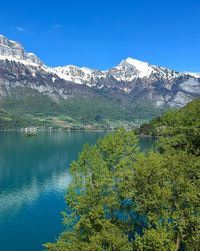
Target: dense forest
(123, 200)
(36, 110)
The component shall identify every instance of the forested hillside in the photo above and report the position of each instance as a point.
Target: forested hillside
(188, 116)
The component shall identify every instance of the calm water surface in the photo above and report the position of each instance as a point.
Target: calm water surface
(33, 181)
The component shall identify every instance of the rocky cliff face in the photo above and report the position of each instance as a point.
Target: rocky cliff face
(139, 80)
(12, 50)
(131, 81)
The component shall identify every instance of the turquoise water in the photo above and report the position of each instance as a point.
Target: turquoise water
(33, 180)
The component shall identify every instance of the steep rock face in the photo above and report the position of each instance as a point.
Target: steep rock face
(139, 80)
(15, 75)
(12, 50)
(132, 81)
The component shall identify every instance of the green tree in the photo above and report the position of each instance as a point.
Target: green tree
(122, 200)
(93, 194)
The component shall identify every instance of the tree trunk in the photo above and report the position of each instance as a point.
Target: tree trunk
(177, 244)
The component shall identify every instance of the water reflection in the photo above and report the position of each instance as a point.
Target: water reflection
(33, 179)
(33, 167)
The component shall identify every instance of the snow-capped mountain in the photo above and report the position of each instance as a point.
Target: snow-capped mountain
(169, 86)
(127, 71)
(79, 75)
(131, 69)
(12, 50)
(132, 81)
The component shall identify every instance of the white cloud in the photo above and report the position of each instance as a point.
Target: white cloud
(20, 29)
(57, 26)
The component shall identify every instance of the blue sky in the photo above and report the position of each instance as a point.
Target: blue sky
(99, 34)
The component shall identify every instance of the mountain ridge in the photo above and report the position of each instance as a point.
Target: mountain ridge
(132, 90)
(144, 68)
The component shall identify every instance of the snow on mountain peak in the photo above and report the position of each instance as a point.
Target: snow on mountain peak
(143, 69)
(193, 74)
(13, 51)
(135, 62)
(78, 75)
(130, 69)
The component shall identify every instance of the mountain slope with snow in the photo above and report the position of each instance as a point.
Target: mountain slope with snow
(132, 89)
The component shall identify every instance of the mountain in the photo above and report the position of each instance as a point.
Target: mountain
(130, 91)
(139, 79)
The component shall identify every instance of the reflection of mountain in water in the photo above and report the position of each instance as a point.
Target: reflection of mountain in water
(30, 167)
(11, 202)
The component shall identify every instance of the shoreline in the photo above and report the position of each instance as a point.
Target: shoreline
(58, 130)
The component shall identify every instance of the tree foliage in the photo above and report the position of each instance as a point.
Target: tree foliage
(122, 200)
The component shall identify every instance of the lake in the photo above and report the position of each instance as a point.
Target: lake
(33, 181)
